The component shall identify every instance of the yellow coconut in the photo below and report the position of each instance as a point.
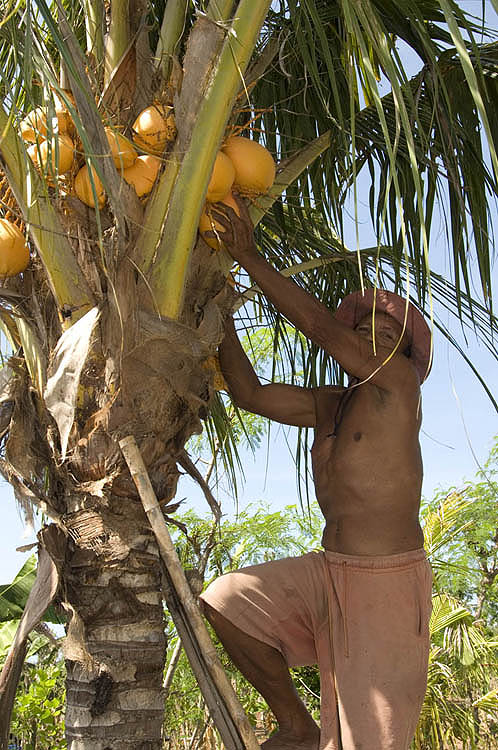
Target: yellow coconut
(14, 252)
(142, 174)
(55, 157)
(65, 121)
(207, 223)
(34, 126)
(83, 187)
(154, 128)
(123, 153)
(222, 178)
(254, 166)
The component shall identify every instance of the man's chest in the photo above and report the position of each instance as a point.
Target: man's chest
(356, 409)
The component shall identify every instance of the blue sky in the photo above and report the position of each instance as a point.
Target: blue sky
(457, 434)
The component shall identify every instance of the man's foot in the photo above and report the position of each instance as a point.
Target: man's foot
(290, 741)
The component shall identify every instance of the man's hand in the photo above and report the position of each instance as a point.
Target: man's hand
(238, 231)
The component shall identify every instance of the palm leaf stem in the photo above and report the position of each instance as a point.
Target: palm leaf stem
(297, 268)
(118, 36)
(263, 61)
(289, 172)
(167, 278)
(220, 10)
(67, 281)
(94, 25)
(170, 34)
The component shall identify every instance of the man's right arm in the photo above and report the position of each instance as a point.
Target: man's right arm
(288, 404)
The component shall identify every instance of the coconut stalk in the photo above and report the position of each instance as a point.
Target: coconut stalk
(167, 279)
(66, 279)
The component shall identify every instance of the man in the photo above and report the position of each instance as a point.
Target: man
(360, 608)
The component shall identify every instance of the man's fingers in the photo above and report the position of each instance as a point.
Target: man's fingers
(244, 210)
(223, 213)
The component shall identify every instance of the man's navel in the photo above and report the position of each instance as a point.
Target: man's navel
(357, 436)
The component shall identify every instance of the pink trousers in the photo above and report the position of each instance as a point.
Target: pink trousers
(363, 620)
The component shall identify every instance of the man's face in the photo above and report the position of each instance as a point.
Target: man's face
(387, 331)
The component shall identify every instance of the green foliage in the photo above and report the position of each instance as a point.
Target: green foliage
(255, 535)
(460, 708)
(14, 595)
(38, 715)
(467, 562)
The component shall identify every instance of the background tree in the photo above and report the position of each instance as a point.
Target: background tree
(122, 306)
(470, 572)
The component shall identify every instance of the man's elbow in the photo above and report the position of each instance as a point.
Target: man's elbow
(244, 398)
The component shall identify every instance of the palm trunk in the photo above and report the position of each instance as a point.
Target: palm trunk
(115, 646)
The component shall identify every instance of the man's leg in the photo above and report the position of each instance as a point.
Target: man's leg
(265, 668)
(381, 643)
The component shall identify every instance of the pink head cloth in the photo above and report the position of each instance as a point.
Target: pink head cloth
(355, 306)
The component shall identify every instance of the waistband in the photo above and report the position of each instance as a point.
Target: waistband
(376, 562)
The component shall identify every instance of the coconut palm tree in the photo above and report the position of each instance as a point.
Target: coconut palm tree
(115, 321)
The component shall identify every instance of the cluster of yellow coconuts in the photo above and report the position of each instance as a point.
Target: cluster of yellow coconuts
(53, 150)
(242, 166)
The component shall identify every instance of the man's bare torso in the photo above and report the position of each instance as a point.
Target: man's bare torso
(367, 470)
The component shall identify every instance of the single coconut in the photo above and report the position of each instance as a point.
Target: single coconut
(54, 157)
(14, 252)
(222, 178)
(254, 166)
(142, 174)
(207, 222)
(65, 121)
(34, 126)
(122, 151)
(83, 187)
(154, 128)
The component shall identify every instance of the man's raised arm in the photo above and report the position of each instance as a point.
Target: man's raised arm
(353, 352)
(284, 403)
(302, 309)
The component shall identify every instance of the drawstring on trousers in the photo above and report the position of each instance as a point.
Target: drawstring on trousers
(343, 605)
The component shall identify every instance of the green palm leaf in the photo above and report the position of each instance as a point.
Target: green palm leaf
(14, 595)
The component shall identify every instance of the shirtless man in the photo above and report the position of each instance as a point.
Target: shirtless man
(360, 608)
